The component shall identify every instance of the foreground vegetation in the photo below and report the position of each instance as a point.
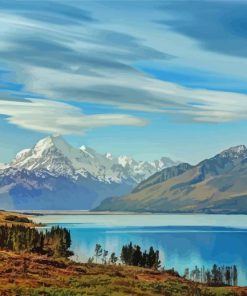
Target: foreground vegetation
(133, 255)
(217, 276)
(130, 255)
(54, 242)
(32, 275)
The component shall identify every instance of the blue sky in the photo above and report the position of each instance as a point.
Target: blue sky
(142, 78)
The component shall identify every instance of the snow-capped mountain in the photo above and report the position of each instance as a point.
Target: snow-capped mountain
(236, 152)
(35, 177)
(56, 156)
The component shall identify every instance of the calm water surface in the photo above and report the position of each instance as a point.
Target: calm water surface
(183, 240)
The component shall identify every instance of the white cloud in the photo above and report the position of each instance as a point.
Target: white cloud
(56, 117)
(143, 94)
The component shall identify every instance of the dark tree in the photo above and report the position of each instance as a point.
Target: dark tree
(104, 256)
(127, 254)
(151, 258)
(228, 276)
(98, 251)
(215, 274)
(133, 255)
(18, 238)
(157, 262)
(235, 275)
(144, 261)
(137, 256)
(113, 258)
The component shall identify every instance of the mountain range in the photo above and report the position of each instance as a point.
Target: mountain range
(215, 185)
(55, 175)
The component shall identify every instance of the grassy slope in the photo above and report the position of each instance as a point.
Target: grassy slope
(4, 215)
(213, 193)
(36, 275)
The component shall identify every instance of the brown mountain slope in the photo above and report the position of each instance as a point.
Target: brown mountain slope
(215, 185)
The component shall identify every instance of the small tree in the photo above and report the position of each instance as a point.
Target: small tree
(208, 277)
(215, 274)
(90, 260)
(137, 256)
(105, 254)
(235, 275)
(187, 273)
(228, 276)
(144, 259)
(113, 258)
(127, 254)
(157, 262)
(151, 258)
(197, 274)
(98, 251)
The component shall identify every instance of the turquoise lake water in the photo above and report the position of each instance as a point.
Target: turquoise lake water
(183, 240)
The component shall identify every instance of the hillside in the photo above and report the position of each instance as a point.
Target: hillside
(28, 274)
(12, 218)
(215, 185)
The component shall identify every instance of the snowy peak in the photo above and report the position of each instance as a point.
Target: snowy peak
(125, 160)
(52, 153)
(55, 155)
(22, 154)
(108, 156)
(239, 151)
(164, 162)
(43, 147)
(53, 143)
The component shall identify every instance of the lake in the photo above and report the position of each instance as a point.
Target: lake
(183, 240)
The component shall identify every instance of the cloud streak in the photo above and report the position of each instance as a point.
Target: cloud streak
(56, 117)
(46, 11)
(76, 59)
(196, 105)
(218, 26)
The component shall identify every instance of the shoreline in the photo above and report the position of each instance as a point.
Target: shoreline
(88, 212)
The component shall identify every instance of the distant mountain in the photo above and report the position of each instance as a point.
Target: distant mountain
(163, 176)
(215, 185)
(54, 175)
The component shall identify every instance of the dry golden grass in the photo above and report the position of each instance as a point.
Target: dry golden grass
(4, 219)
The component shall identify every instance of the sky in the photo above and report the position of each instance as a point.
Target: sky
(140, 78)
